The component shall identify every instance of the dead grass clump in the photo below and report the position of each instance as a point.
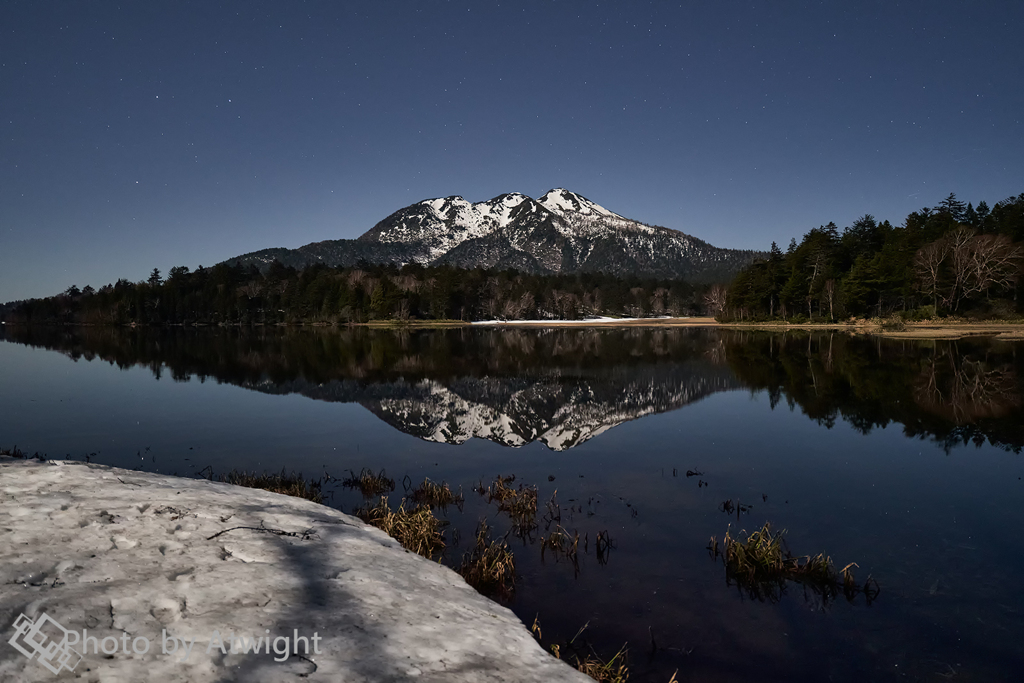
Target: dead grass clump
(762, 564)
(499, 490)
(612, 671)
(436, 495)
(489, 565)
(417, 530)
(520, 503)
(289, 484)
(370, 484)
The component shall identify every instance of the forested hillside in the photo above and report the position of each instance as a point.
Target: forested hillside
(953, 259)
(319, 294)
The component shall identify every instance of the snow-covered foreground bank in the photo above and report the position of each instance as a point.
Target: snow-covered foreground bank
(159, 578)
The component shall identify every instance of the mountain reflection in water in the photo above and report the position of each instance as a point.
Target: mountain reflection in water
(564, 386)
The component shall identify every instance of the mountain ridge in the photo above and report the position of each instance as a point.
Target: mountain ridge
(562, 232)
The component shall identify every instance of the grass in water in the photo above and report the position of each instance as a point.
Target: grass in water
(489, 565)
(762, 564)
(369, 483)
(417, 530)
(289, 484)
(612, 671)
(561, 543)
(603, 544)
(436, 495)
(520, 503)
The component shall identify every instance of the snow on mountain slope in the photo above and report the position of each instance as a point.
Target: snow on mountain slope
(445, 223)
(562, 202)
(440, 225)
(479, 218)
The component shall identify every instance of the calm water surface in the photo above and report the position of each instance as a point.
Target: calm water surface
(903, 457)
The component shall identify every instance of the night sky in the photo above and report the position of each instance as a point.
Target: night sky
(156, 134)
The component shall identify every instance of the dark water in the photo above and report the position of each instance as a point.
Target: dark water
(901, 456)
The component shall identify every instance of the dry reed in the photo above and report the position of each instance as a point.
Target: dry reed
(417, 530)
(762, 564)
(289, 484)
(519, 503)
(436, 495)
(612, 671)
(369, 483)
(489, 565)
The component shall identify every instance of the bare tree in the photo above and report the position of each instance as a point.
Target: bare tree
(828, 290)
(516, 309)
(358, 277)
(592, 301)
(993, 263)
(565, 305)
(959, 244)
(928, 267)
(635, 308)
(526, 303)
(403, 309)
(817, 263)
(406, 283)
(714, 300)
(252, 289)
(658, 299)
(978, 264)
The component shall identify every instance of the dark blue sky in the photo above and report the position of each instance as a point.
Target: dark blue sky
(157, 134)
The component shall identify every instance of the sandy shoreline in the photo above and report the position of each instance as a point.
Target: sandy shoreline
(151, 562)
(912, 330)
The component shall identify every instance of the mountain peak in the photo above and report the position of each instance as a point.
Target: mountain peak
(562, 201)
(449, 199)
(510, 198)
(563, 232)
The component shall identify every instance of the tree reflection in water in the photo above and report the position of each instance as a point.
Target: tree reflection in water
(563, 386)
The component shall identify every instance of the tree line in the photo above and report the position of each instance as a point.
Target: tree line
(953, 259)
(278, 294)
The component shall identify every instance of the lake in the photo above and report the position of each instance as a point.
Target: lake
(901, 456)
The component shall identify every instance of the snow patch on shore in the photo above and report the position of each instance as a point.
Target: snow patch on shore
(585, 321)
(125, 554)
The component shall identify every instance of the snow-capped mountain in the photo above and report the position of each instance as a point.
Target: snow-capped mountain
(562, 232)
